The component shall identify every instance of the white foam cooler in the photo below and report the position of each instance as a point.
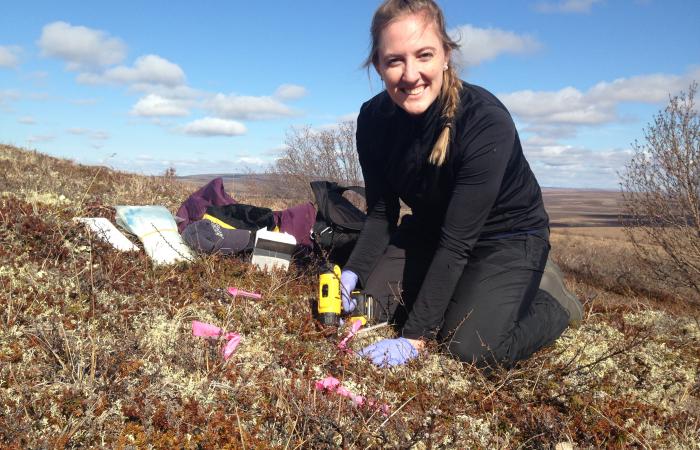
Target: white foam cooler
(273, 250)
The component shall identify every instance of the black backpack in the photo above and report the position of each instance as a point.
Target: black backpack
(246, 217)
(338, 221)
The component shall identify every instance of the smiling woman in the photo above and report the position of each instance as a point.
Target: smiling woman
(411, 53)
(471, 260)
(411, 60)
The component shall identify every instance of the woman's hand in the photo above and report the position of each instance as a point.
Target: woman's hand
(348, 281)
(391, 352)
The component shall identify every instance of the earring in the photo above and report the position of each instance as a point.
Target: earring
(445, 67)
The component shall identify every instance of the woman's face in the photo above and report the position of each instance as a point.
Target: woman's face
(411, 60)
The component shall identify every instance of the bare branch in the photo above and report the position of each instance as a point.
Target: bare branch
(661, 191)
(310, 154)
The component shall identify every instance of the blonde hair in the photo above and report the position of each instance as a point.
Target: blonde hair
(391, 10)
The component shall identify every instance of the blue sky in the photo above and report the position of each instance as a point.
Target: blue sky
(213, 87)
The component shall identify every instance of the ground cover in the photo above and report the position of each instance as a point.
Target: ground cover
(96, 348)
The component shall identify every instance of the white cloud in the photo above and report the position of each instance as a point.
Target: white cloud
(181, 92)
(154, 105)
(350, 117)
(545, 118)
(27, 120)
(77, 131)
(482, 44)
(566, 106)
(40, 138)
(100, 135)
(156, 165)
(565, 165)
(251, 161)
(212, 126)
(147, 70)
(540, 110)
(336, 124)
(653, 88)
(550, 132)
(290, 92)
(80, 47)
(41, 96)
(9, 56)
(248, 108)
(566, 6)
(8, 95)
(38, 75)
(96, 135)
(275, 152)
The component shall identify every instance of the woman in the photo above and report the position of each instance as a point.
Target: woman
(467, 264)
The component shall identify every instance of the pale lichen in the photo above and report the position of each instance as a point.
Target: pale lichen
(664, 325)
(644, 368)
(48, 198)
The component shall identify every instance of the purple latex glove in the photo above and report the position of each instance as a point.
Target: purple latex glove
(348, 281)
(390, 352)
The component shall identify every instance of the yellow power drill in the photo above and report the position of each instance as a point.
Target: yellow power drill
(330, 304)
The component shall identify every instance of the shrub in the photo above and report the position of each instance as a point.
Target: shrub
(312, 154)
(661, 190)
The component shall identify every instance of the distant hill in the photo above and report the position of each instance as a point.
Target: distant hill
(206, 177)
(566, 206)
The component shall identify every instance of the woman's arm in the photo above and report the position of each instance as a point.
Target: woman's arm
(484, 157)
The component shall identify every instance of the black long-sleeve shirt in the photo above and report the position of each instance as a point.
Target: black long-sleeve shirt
(484, 189)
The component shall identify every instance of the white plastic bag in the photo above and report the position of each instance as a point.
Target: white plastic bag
(156, 229)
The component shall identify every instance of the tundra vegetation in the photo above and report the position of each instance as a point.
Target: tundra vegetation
(96, 346)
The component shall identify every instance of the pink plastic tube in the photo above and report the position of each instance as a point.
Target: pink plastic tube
(239, 292)
(343, 345)
(209, 331)
(206, 330)
(233, 340)
(332, 384)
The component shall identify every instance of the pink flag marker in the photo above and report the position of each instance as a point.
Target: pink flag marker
(343, 345)
(201, 329)
(233, 340)
(236, 292)
(327, 384)
(332, 384)
(209, 331)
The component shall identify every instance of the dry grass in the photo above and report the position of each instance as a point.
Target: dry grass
(604, 257)
(96, 348)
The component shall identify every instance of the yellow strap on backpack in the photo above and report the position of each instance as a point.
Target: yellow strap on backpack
(218, 222)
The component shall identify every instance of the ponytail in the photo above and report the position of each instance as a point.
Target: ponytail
(449, 93)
